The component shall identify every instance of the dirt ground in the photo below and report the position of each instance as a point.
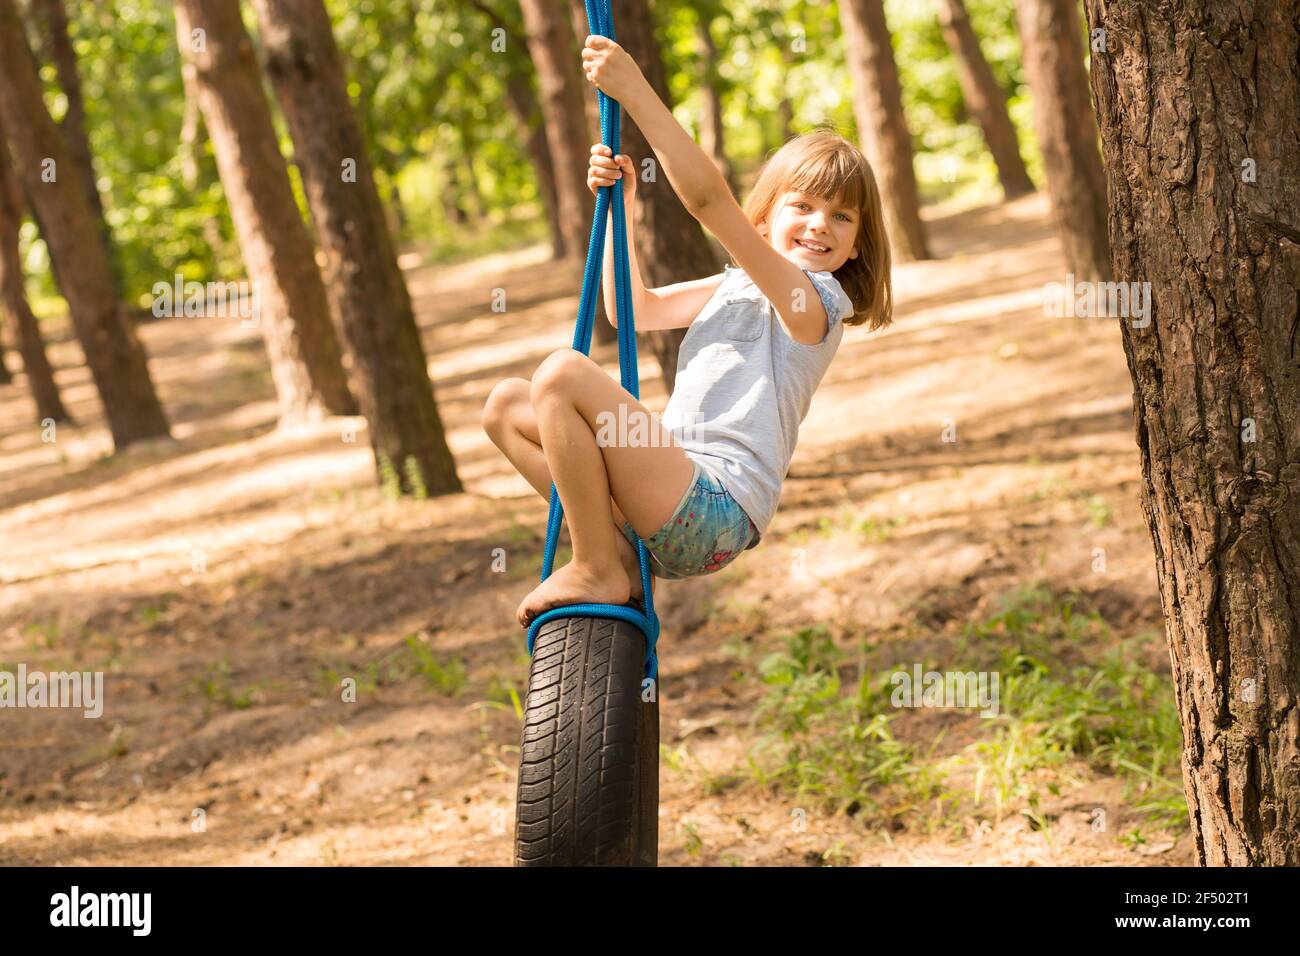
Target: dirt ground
(226, 582)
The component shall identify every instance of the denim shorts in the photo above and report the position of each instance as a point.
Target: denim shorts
(705, 533)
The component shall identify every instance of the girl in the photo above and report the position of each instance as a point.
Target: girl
(703, 484)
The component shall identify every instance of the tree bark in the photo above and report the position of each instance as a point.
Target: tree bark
(1067, 132)
(670, 243)
(53, 20)
(712, 134)
(1198, 107)
(878, 107)
(391, 379)
(559, 74)
(984, 98)
(116, 358)
(306, 361)
(523, 103)
(13, 297)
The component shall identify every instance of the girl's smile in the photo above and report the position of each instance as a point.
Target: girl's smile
(814, 233)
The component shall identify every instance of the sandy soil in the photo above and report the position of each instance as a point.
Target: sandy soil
(227, 581)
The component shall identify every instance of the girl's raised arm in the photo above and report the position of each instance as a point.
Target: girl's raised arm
(704, 192)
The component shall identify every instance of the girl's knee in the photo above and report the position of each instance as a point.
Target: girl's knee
(499, 407)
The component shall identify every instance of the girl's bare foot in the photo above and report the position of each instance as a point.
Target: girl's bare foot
(576, 584)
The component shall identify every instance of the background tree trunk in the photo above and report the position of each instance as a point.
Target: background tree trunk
(306, 362)
(670, 243)
(391, 379)
(563, 88)
(116, 358)
(878, 106)
(523, 103)
(13, 298)
(52, 18)
(984, 98)
(1198, 105)
(712, 134)
(1067, 132)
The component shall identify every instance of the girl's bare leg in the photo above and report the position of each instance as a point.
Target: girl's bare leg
(511, 422)
(569, 395)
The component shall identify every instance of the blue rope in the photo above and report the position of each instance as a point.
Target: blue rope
(600, 18)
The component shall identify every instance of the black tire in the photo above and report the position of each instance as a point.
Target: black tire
(589, 762)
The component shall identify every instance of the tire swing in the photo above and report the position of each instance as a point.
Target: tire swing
(589, 761)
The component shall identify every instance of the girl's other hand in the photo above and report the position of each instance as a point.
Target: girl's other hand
(606, 169)
(610, 68)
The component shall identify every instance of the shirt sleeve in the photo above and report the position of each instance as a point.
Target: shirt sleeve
(836, 301)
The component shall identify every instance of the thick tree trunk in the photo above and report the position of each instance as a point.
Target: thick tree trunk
(984, 98)
(306, 361)
(53, 20)
(712, 135)
(563, 88)
(1198, 105)
(390, 377)
(116, 358)
(878, 106)
(670, 243)
(1067, 132)
(13, 299)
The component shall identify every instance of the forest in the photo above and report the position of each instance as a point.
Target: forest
(262, 263)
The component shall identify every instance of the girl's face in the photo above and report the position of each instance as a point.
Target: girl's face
(814, 233)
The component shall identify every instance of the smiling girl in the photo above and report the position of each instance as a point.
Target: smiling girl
(811, 257)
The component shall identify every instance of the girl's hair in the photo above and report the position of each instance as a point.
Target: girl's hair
(825, 164)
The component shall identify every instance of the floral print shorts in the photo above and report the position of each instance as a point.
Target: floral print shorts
(705, 534)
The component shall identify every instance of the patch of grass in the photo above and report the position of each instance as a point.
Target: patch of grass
(1099, 511)
(446, 677)
(504, 694)
(834, 747)
(215, 685)
(1117, 716)
(877, 530)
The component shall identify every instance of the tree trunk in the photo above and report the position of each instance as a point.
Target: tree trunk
(391, 379)
(191, 148)
(712, 135)
(523, 104)
(670, 243)
(53, 20)
(581, 30)
(13, 298)
(306, 362)
(563, 88)
(116, 358)
(1198, 105)
(984, 98)
(1067, 132)
(878, 107)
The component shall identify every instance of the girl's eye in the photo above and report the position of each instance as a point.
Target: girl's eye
(844, 217)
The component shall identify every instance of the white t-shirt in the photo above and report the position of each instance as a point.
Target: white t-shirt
(744, 386)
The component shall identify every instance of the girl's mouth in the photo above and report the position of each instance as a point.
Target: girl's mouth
(816, 248)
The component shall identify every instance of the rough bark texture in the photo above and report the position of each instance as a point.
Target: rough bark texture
(1199, 107)
(878, 107)
(390, 377)
(306, 362)
(670, 243)
(13, 299)
(984, 98)
(1067, 133)
(116, 358)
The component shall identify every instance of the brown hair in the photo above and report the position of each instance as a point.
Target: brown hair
(825, 164)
